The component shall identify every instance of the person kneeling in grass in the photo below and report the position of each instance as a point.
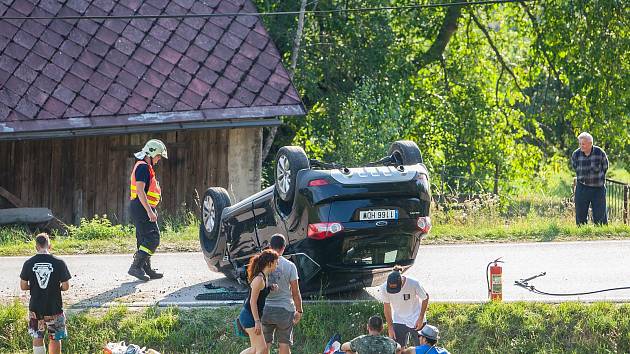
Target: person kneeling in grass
(429, 336)
(45, 276)
(373, 342)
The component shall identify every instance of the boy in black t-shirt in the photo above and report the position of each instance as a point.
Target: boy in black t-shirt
(46, 276)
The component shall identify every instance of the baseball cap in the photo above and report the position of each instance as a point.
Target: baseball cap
(430, 332)
(394, 282)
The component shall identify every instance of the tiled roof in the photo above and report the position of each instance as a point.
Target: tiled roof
(102, 70)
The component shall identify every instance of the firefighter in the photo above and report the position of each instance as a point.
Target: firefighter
(145, 196)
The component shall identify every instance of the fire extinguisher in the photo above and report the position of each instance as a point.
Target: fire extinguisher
(494, 277)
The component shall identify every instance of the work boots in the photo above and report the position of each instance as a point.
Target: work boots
(150, 271)
(139, 259)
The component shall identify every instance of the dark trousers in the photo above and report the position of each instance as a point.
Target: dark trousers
(595, 197)
(404, 334)
(147, 232)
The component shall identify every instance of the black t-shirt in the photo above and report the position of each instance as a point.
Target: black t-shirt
(45, 273)
(143, 175)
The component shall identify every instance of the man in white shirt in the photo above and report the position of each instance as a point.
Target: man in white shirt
(405, 304)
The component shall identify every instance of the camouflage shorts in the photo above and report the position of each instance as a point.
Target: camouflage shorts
(55, 325)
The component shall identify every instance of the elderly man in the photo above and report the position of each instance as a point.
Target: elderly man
(590, 164)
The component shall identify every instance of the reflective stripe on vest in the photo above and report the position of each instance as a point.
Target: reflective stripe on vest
(155, 192)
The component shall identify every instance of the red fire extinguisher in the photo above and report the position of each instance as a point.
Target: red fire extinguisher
(494, 277)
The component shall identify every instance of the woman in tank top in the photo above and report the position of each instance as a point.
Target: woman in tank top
(258, 270)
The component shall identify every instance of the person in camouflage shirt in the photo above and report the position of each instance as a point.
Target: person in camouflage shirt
(373, 342)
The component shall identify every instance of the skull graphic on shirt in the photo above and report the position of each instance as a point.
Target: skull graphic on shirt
(42, 273)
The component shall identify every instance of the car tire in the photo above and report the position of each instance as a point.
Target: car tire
(405, 152)
(215, 199)
(289, 160)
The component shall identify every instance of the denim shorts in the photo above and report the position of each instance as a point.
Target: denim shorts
(246, 318)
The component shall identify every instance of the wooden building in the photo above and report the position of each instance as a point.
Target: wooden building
(79, 97)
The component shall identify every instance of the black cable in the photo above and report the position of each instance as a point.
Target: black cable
(280, 13)
(523, 284)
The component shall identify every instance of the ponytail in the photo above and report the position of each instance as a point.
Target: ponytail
(259, 262)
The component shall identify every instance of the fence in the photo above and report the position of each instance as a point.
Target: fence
(617, 201)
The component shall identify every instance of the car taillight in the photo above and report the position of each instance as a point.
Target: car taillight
(424, 224)
(323, 230)
(424, 180)
(317, 182)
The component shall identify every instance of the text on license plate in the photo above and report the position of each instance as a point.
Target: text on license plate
(378, 214)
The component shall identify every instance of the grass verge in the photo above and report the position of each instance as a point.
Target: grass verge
(485, 328)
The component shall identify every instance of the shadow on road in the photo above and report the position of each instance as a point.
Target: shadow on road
(99, 300)
(188, 294)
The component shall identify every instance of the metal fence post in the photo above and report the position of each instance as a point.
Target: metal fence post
(626, 210)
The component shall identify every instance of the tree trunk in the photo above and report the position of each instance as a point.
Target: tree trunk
(294, 58)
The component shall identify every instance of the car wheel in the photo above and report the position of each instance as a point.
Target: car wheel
(289, 160)
(214, 201)
(405, 152)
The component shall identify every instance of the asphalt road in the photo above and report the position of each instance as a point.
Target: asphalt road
(449, 273)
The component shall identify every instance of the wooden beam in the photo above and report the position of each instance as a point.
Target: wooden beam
(17, 202)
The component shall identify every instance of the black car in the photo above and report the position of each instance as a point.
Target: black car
(346, 227)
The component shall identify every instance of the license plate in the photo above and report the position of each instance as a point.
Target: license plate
(378, 214)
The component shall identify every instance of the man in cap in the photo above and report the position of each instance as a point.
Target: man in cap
(429, 336)
(145, 196)
(405, 304)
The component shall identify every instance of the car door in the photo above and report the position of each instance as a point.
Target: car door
(242, 240)
(268, 222)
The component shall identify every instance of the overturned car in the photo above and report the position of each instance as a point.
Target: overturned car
(346, 228)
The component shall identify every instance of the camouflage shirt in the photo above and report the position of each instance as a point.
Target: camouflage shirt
(368, 344)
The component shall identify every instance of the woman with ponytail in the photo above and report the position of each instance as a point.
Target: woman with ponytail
(258, 269)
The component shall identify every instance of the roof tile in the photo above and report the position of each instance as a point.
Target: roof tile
(247, 21)
(141, 24)
(99, 80)
(244, 96)
(187, 4)
(4, 76)
(81, 70)
(165, 100)
(260, 101)
(186, 32)
(252, 84)
(138, 102)
(192, 99)
(54, 106)
(205, 43)
(260, 72)
(207, 75)
(88, 26)
(168, 23)
(233, 73)
(110, 103)
(97, 47)
(71, 48)
(196, 23)
(43, 49)
(181, 106)
(239, 30)
(78, 5)
(64, 95)
(62, 27)
(62, 60)
(119, 91)
(7, 29)
(54, 72)
(33, 28)
(116, 57)
(215, 63)
(178, 43)
(173, 9)
(133, 4)
(133, 34)
(226, 85)
(160, 33)
(154, 78)
(271, 94)
(152, 44)
(170, 55)
(257, 40)
(241, 62)
(26, 73)
(9, 97)
(108, 69)
(16, 85)
(188, 65)
(101, 111)
(144, 56)
(116, 25)
(82, 105)
(73, 82)
(37, 96)
(15, 51)
(180, 76)
(89, 59)
(106, 35)
(24, 39)
(44, 114)
(213, 31)
(173, 88)
(135, 67)
(199, 87)
(278, 82)
(45, 84)
(105, 5)
(160, 4)
(92, 93)
(126, 79)
(145, 90)
(23, 7)
(162, 66)
(71, 113)
(196, 53)
(217, 97)
(76, 35)
(231, 41)
(8, 64)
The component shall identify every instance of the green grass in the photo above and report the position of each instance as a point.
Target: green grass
(485, 328)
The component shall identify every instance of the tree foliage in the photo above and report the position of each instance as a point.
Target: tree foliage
(491, 91)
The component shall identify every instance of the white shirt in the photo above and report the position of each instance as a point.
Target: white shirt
(405, 304)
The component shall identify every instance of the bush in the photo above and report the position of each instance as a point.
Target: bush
(97, 228)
